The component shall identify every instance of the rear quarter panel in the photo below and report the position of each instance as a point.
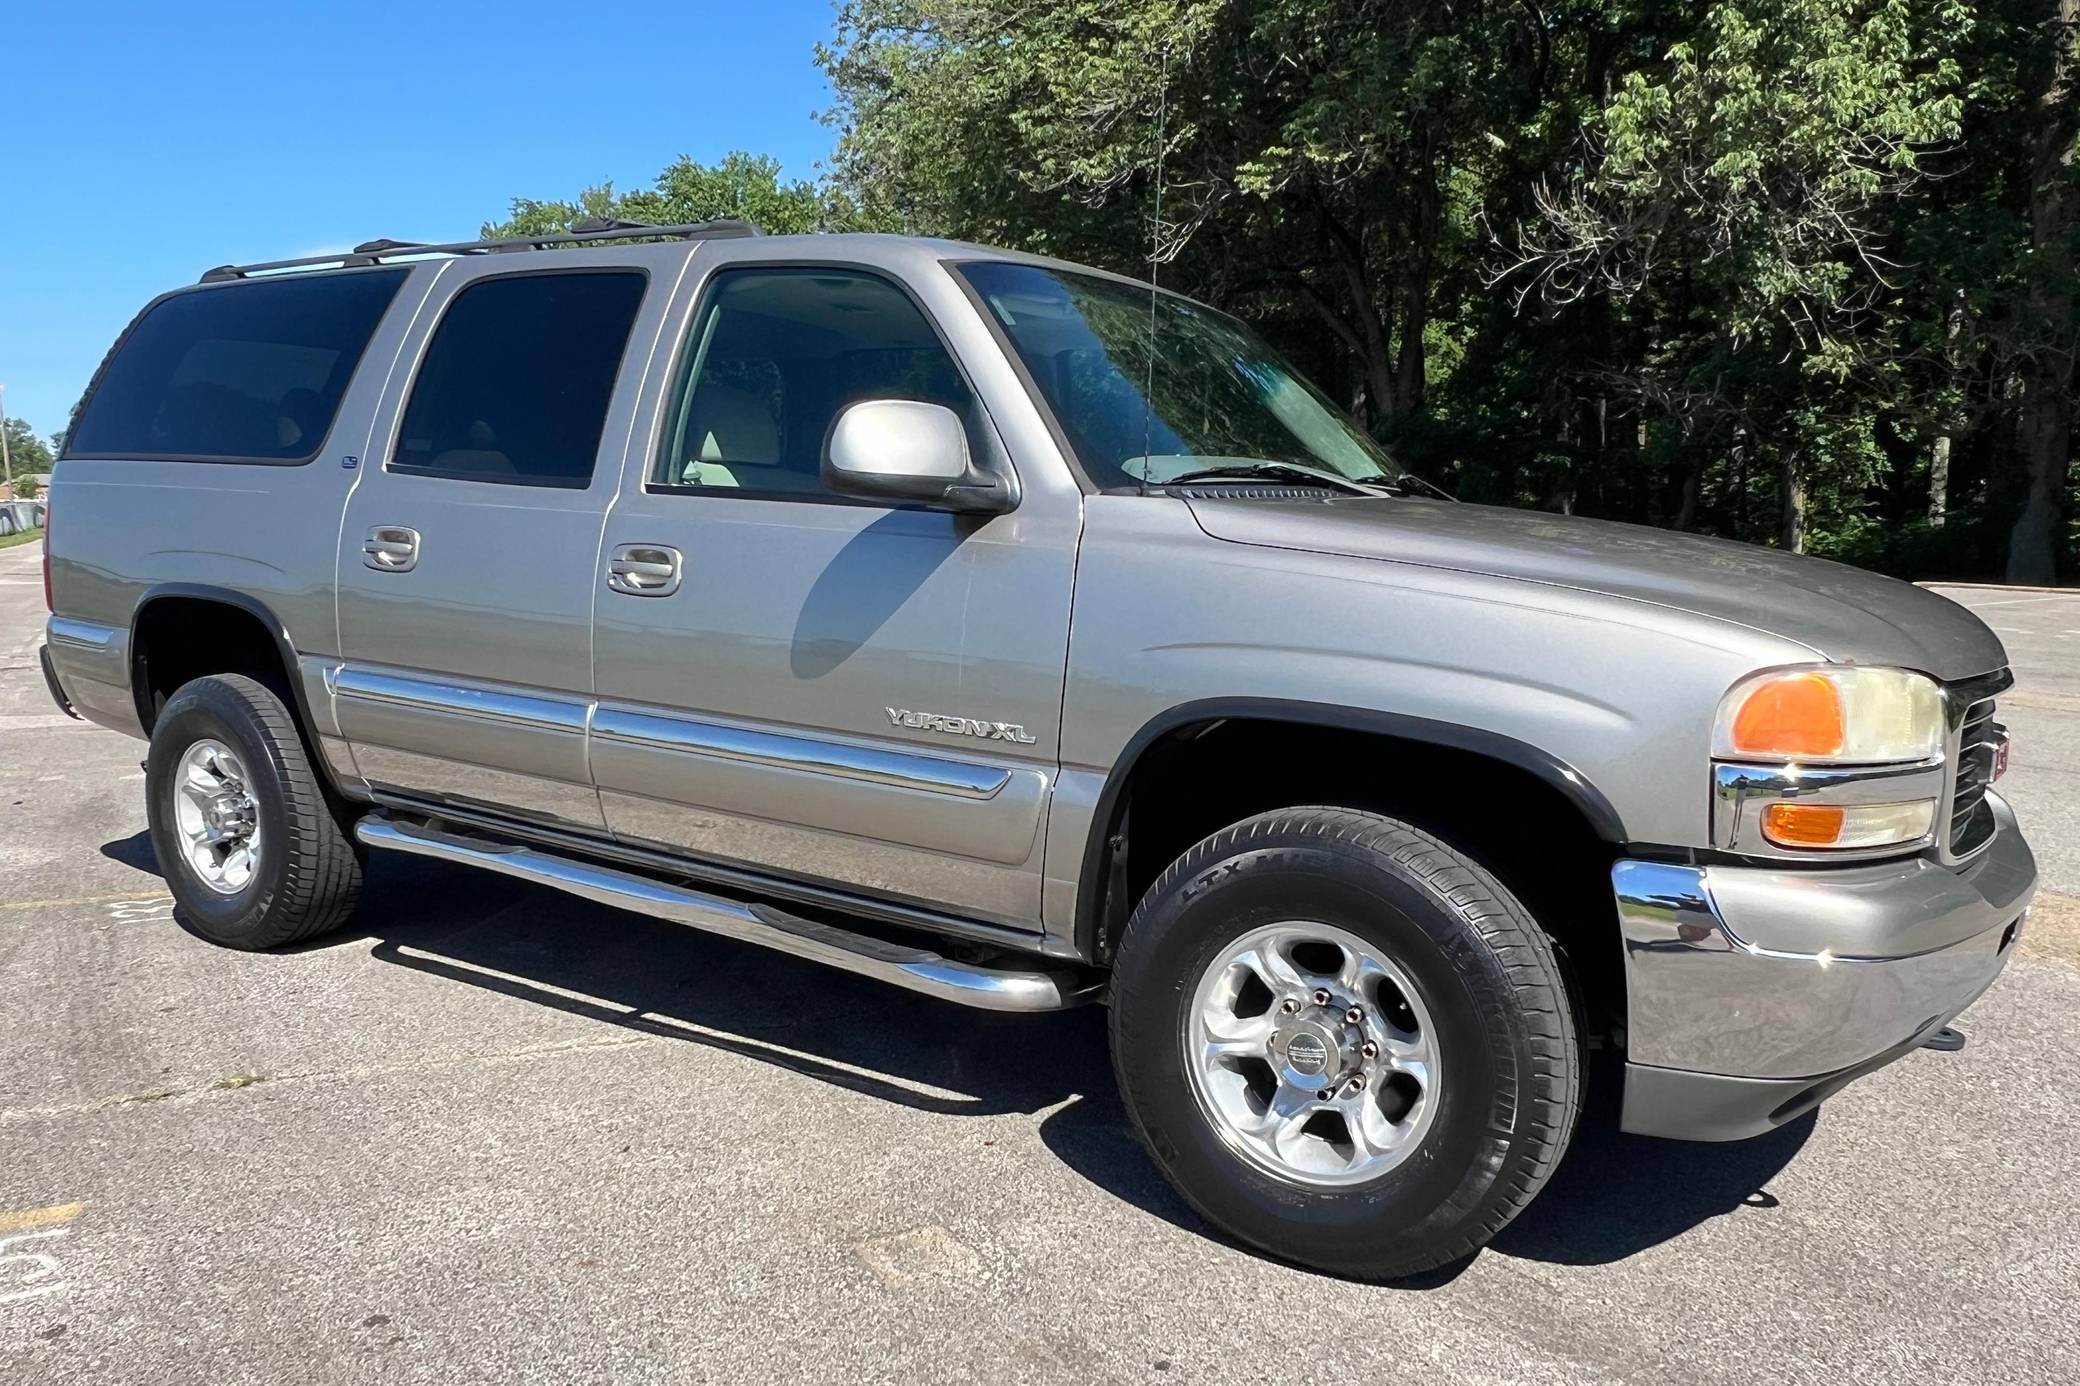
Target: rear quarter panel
(122, 529)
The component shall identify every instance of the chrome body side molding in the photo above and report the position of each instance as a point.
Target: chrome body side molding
(915, 969)
(492, 705)
(817, 755)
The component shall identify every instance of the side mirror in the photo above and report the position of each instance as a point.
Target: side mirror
(907, 450)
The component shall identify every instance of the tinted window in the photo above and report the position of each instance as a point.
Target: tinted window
(775, 355)
(250, 371)
(515, 384)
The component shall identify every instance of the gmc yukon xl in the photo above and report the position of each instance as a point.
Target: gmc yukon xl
(1020, 635)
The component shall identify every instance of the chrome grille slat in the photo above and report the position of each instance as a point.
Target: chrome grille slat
(1978, 742)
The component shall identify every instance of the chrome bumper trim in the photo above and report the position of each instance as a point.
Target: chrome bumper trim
(1780, 972)
(87, 635)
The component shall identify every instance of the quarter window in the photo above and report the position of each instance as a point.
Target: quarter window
(244, 372)
(516, 380)
(775, 355)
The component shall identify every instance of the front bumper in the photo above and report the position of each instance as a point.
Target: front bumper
(1754, 993)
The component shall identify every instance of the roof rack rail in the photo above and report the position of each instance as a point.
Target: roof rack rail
(581, 233)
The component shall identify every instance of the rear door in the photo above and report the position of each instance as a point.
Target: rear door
(470, 542)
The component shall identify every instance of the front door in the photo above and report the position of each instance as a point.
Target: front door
(470, 541)
(831, 691)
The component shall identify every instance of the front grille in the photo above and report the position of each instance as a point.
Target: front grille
(1971, 817)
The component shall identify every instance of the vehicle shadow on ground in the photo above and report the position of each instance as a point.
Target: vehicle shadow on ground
(1614, 1195)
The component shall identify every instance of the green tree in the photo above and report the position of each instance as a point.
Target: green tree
(1746, 175)
(1314, 153)
(27, 454)
(744, 186)
(1791, 270)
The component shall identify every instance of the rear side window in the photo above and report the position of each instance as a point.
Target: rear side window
(246, 372)
(516, 380)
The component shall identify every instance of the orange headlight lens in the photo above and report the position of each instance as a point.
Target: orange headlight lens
(1836, 714)
(1792, 715)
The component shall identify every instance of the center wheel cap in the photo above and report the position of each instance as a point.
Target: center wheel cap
(1310, 1052)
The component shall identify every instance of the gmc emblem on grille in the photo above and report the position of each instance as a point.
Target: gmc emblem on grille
(958, 726)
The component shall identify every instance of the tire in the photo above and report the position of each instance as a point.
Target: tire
(304, 877)
(1491, 1005)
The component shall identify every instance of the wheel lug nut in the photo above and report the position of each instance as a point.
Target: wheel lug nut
(1355, 1015)
(1327, 1094)
(1354, 1087)
(1289, 1005)
(1321, 996)
(1369, 1049)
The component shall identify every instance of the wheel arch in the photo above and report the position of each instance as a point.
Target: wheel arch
(159, 603)
(1102, 903)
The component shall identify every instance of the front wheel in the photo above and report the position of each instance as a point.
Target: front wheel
(1344, 1042)
(250, 845)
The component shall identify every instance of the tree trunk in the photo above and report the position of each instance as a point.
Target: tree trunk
(1939, 452)
(1426, 222)
(1793, 533)
(2045, 428)
(1368, 325)
(1939, 481)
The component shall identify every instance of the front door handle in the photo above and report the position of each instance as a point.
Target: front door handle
(391, 549)
(645, 570)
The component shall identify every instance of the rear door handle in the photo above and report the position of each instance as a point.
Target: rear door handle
(645, 570)
(391, 549)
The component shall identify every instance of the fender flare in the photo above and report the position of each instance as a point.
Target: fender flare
(1571, 784)
(253, 607)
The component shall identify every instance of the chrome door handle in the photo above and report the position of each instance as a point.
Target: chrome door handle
(391, 549)
(645, 570)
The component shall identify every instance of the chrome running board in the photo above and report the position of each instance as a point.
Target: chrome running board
(917, 969)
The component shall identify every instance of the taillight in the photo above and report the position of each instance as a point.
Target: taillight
(48, 604)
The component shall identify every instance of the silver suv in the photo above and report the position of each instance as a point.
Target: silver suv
(1013, 633)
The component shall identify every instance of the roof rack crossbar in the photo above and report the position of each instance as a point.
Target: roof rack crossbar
(375, 252)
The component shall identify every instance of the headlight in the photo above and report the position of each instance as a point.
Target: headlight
(1831, 714)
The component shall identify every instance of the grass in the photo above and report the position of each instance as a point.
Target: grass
(8, 541)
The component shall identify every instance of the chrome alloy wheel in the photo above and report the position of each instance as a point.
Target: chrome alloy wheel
(1312, 1055)
(217, 817)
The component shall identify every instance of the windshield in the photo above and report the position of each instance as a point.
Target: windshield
(1220, 397)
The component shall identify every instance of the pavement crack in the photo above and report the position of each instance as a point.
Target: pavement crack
(237, 1082)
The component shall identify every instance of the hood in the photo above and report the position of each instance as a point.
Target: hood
(1845, 614)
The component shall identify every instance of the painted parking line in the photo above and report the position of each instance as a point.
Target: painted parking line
(30, 1219)
(132, 898)
(29, 1267)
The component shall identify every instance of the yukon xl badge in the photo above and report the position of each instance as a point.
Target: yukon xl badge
(958, 726)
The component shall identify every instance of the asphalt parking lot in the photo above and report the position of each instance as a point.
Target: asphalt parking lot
(495, 1134)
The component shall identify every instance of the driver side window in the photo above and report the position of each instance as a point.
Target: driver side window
(774, 357)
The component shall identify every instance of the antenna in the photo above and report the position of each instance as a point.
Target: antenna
(1155, 257)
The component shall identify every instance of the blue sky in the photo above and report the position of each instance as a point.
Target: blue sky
(141, 144)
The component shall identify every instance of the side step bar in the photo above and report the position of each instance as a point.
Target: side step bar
(917, 969)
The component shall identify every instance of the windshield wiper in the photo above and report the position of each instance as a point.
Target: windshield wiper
(1409, 484)
(1279, 471)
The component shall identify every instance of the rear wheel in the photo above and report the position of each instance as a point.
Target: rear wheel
(1344, 1041)
(251, 845)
